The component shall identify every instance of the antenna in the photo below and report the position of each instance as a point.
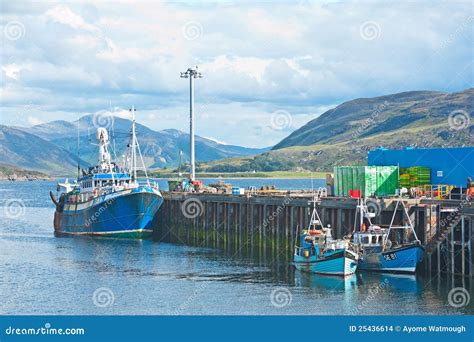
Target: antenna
(78, 154)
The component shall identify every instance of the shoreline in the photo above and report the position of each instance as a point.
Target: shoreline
(242, 175)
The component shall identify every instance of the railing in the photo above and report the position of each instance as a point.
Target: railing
(438, 191)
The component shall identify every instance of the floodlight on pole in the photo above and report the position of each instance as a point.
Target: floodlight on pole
(191, 74)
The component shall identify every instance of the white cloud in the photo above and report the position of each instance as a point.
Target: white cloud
(64, 15)
(11, 70)
(32, 121)
(77, 58)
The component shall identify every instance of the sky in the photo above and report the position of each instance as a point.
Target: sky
(268, 67)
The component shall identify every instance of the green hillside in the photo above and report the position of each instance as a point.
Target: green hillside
(344, 135)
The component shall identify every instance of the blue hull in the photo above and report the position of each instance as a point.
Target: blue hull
(341, 263)
(404, 259)
(121, 214)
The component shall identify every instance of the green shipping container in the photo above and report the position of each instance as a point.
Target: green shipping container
(387, 180)
(370, 180)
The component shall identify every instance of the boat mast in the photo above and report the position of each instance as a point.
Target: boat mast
(180, 160)
(391, 226)
(133, 147)
(315, 215)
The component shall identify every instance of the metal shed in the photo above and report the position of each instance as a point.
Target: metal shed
(448, 165)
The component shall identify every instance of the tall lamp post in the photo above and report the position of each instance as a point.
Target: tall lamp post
(191, 74)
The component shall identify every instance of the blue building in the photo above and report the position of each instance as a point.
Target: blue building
(448, 165)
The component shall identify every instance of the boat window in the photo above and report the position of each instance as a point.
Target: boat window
(365, 239)
(374, 238)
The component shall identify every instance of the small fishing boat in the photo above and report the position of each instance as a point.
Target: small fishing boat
(383, 250)
(319, 253)
(108, 200)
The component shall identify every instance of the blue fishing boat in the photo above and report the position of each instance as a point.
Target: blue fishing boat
(381, 250)
(319, 253)
(108, 200)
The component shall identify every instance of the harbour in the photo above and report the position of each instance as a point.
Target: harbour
(157, 277)
(267, 224)
(237, 171)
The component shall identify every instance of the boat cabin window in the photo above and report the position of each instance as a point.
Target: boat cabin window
(374, 238)
(365, 239)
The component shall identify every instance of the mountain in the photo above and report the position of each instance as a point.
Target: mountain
(343, 135)
(57, 129)
(24, 150)
(369, 117)
(159, 148)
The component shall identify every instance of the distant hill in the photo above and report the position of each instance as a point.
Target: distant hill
(364, 118)
(24, 150)
(14, 173)
(344, 135)
(159, 148)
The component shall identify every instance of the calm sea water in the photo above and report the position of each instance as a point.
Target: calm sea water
(42, 274)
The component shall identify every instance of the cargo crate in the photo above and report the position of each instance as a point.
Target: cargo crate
(369, 180)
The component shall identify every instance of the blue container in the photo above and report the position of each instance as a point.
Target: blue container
(237, 191)
(450, 166)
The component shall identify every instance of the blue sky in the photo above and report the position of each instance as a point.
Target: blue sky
(268, 67)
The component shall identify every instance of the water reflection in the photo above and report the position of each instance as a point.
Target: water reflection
(402, 282)
(326, 283)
